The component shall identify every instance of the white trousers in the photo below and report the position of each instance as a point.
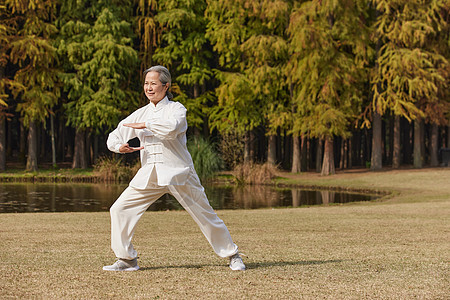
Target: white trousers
(132, 203)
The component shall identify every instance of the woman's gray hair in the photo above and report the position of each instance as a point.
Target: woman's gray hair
(164, 77)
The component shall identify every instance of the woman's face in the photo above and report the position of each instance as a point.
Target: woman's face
(153, 87)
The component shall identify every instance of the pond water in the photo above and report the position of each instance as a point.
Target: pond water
(71, 197)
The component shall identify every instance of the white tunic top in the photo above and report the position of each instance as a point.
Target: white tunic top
(164, 141)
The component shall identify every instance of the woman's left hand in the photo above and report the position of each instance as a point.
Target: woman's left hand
(135, 125)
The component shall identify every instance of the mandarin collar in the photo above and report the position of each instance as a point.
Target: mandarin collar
(160, 104)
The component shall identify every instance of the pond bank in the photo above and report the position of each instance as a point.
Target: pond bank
(57, 176)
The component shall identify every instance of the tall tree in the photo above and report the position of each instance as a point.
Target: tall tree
(266, 52)
(409, 74)
(96, 46)
(249, 39)
(327, 65)
(5, 32)
(36, 81)
(438, 110)
(147, 31)
(396, 154)
(186, 51)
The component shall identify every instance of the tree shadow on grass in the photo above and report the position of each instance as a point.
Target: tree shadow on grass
(268, 264)
(252, 265)
(179, 267)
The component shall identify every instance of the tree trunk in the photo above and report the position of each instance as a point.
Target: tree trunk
(22, 143)
(396, 154)
(422, 144)
(79, 157)
(448, 136)
(247, 148)
(61, 141)
(350, 154)
(345, 154)
(319, 155)
(304, 154)
(84, 154)
(272, 150)
(407, 145)
(52, 133)
(2, 131)
(2, 144)
(357, 148)
(295, 154)
(42, 142)
(32, 148)
(328, 158)
(365, 158)
(10, 139)
(343, 164)
(418, 156)
(434, 162)
(388, 147)
(376, 160)
(88, 148)
(252, 146)
(206, 131)
(95, 149)
(70, 141)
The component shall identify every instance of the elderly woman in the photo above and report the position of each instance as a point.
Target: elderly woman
(166, 167)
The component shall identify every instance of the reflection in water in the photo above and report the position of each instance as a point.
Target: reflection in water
(248, 197)
(29, 197)
(310, 197)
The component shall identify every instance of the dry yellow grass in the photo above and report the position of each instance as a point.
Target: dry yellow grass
(396, 248)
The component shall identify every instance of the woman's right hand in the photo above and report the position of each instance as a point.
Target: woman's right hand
(125, 148)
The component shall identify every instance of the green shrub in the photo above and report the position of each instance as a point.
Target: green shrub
(206, 159)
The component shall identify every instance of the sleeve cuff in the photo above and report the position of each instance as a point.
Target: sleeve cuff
(117, 148)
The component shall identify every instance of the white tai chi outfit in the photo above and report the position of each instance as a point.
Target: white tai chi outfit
(166, 167)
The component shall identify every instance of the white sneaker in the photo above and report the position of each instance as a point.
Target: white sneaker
(236, 263)
(123, 265)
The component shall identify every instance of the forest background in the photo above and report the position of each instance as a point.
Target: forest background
(305, 85)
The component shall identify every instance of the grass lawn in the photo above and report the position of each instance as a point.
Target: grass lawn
(394, 248)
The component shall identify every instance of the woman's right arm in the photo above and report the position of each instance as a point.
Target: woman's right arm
(121, 135)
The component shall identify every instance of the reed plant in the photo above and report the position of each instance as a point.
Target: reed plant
(252, 173)
(207, 161)
(113, 169)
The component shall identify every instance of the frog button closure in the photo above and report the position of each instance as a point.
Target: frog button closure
(154, 152)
